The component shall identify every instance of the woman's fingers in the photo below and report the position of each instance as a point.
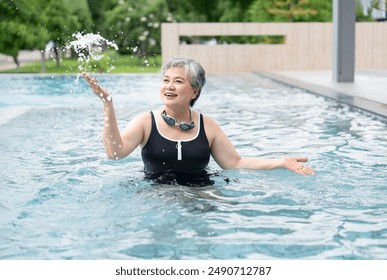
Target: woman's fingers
(296, 166)
(87, 77)
(305, 170)
(302, 159)
(92, 82)
(98, 90)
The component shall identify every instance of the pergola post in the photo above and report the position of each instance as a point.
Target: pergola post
(344, 19)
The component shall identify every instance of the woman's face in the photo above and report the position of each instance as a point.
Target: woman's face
(176, 89)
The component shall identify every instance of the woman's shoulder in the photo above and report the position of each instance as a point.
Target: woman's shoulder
(209, 121)
(142, 124)
(142, 117)
(147, 115)
(211, 128)
(143, 120)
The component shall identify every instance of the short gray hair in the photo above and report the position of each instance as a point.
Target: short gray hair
(193, 69)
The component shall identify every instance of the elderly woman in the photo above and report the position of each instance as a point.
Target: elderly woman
(176, 138)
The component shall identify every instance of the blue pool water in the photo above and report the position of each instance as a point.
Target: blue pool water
(60, 198)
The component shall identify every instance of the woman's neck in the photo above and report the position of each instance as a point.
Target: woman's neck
(181, 115)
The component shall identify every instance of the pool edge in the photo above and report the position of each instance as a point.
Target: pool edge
(368, 105)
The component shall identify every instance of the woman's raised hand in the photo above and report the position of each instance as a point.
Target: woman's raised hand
(97, 89)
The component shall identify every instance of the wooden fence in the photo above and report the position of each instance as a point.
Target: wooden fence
(307, 46)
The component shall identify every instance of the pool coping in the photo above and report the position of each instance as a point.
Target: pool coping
(341, 96)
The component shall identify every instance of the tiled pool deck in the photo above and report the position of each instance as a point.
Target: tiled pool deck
(368, 91)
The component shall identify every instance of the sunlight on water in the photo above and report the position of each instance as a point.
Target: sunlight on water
(90, 47)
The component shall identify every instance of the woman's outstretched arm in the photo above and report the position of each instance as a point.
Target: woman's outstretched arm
(227, 157)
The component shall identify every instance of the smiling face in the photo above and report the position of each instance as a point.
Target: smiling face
(176, 90)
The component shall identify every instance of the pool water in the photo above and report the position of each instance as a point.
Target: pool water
(61, 198)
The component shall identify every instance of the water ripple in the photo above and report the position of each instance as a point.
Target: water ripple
(62, 199)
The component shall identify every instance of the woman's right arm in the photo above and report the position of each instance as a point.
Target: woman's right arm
(117, 145)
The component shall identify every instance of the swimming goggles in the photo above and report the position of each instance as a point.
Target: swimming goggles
(172, 122)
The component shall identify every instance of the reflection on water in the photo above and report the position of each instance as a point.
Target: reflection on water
(60, 198)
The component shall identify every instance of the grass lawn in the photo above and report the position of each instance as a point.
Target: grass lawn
(110, 63)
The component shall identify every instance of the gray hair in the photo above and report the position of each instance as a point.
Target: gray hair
(194, 71)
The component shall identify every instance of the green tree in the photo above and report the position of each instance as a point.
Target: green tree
(233, 11)
(97, 9)
(21, 27)
(136, 26)
(60, 25)
(80, 9)
(30, 24)
(194, 10)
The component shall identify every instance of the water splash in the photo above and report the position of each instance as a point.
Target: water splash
(90, 47)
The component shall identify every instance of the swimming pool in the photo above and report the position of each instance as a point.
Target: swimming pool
(60, 198)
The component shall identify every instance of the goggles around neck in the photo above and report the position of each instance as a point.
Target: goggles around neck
(172, 122)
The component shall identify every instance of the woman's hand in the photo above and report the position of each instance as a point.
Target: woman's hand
(294, 164)
(96, 87)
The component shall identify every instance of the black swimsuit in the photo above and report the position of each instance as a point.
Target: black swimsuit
(163, 156)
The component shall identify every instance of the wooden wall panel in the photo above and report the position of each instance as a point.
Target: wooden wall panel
(308, 46)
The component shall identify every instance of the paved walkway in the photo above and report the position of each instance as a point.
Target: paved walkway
(25, 57)
(7, 64)
(368, 91)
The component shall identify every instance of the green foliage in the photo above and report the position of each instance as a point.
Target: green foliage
(61, 23)
(20, 26)
(121, 63)
(78, 5)
(80, 9)
(30, 24)
(291, 11)
(362, 15)
(230, 11)
(194, 10)
(97, 10)
(136, 26)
